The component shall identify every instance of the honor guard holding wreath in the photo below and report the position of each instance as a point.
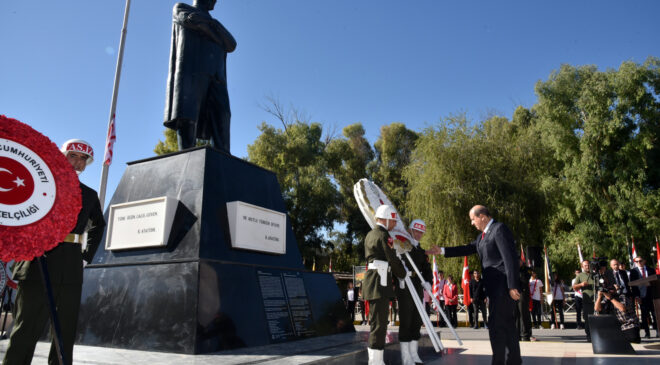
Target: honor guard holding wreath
(377, 284)
(410, 320)
(65, 266)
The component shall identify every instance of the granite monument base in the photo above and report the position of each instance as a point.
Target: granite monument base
(197, 293)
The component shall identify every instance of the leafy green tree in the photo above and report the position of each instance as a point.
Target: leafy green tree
(394, 149)
(169, 145)
(457, 165)
(348, 158)
(296, 156)
(602, 128)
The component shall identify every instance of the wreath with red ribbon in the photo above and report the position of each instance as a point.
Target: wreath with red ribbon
(32, 240)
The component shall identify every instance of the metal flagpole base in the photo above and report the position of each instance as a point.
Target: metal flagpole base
(57, 331)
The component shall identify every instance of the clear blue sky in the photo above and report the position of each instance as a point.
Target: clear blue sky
(340, 61)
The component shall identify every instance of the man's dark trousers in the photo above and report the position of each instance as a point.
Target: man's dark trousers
(578, 310)
(501, 320)
(32, 306)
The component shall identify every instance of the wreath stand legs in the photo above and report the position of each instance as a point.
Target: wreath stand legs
(6, 294)
(54, 321)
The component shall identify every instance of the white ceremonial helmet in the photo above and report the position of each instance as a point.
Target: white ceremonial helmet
(78, 145)
(386, 212)
(418, 225)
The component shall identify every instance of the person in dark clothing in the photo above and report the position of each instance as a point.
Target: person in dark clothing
(495, 246)
(523, 318)
(644, 297)
(478, 296)
(377, 285)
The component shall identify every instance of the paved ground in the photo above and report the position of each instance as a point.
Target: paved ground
(554, 347)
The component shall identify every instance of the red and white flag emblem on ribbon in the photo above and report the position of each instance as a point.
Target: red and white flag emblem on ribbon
(110, 142)
(467, 300)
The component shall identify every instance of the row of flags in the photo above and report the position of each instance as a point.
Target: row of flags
(465, 282)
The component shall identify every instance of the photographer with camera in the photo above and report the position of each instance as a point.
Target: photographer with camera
(614, 298)
(585, 283)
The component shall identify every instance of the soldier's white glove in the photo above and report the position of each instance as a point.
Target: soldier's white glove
(427, 286)
(84, 263)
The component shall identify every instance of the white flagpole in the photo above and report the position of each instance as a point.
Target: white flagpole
(113, 105)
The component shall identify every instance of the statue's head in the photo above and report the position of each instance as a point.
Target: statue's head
(204, 4)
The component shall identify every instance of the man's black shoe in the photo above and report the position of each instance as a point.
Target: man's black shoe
(647, 335)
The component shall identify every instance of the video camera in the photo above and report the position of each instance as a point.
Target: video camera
(601, 281)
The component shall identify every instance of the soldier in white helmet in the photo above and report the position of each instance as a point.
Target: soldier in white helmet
(65, 267)
(377, 285)
(410, 320)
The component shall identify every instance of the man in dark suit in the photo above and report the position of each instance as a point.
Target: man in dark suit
(499, 261)
(620, 278)
(643, 296)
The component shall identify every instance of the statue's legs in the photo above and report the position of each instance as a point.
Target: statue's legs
(219, 115)
(186, 134)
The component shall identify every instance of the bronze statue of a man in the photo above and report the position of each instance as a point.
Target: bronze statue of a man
(197, 103)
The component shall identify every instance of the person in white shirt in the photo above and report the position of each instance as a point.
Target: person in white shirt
(350, 301)
(578, 301)
(535, 286)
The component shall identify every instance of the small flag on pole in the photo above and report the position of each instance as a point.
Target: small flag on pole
(580, 253)
(522, 253)
(437, 290)
(657, 256)
(110, 142)
(330, 266)
(548, 275)
(634, 251)
(467, 300)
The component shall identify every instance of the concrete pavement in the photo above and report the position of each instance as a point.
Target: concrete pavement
(554, 347)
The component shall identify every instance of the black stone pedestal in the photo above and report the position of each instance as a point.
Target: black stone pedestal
(606, 336)
(198, 294)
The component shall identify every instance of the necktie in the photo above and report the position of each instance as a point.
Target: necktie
(643, 270)
(483, 234)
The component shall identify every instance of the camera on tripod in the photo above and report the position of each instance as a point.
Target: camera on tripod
(602, 283)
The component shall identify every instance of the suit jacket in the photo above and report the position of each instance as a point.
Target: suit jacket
(499, 260)
(635, 274)
(624, 278)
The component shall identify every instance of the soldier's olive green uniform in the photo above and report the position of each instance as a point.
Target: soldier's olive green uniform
(410, 320)
(65, 268)
(376, 248)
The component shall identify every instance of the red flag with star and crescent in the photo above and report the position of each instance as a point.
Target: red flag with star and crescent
(465, 284)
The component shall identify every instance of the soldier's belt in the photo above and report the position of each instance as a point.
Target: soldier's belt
(382, 267)
(73, 238)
